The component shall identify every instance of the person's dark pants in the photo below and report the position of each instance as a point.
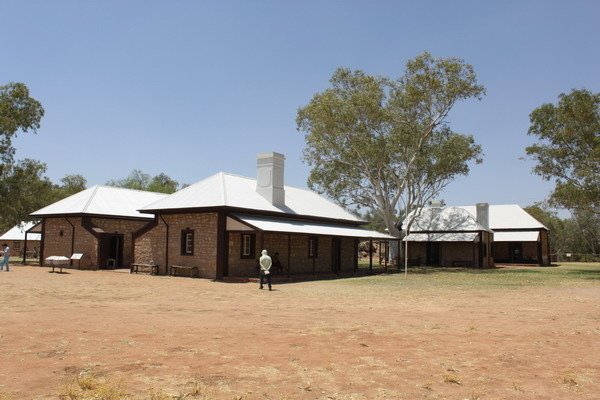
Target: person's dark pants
(264, 277)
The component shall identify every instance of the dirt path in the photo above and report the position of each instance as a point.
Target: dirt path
(313, 340)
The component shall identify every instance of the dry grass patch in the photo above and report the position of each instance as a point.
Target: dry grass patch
(87, 385)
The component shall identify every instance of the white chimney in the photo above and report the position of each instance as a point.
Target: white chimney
(269, 180)
(483, 214)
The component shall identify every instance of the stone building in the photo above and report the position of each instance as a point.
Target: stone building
(477, 236)
(220, 225)
(98, 222)
(21, 241)
(450, 236)
(518, 237)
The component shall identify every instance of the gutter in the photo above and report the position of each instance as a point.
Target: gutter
(72, 241)
(166, 245)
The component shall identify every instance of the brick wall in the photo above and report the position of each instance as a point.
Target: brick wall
(150, 247)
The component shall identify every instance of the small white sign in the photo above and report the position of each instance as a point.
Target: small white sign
(77, 256)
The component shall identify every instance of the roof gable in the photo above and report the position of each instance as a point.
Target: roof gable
(17, 232)
(103, 200)
(508, 216)
(235, 191)
(444, 219)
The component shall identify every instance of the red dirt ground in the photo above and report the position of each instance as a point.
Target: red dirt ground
(309, 340)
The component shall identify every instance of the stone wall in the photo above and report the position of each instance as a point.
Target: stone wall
(298, 261)
(450, 252)
(459, 253)
(58, 233)
(545, 247)
(349, 253)
(18, 246)
(417, 253)
(57, 241)
(239, 266)
(151, 246)
(125, 227)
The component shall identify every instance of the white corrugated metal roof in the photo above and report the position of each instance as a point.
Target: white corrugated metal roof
(230, 190)
(270, 224)
(17, 232)
(442, 237)
(103, 200)
(444, 219)
(508, 216)
(525, 236)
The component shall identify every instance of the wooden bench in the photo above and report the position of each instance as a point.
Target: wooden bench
(414, 262)
(175, 269)
(135, 267)
(458, 263)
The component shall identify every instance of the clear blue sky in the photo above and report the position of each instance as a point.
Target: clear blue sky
(191, 88)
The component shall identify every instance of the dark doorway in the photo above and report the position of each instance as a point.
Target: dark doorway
(111, 251)
(336, 254)
(516, 252)
(433, 254)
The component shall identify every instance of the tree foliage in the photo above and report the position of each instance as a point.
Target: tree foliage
(24, 188)
(568, 150)
(385, 145)
(139, 180)
(18, 113)
(578, 233)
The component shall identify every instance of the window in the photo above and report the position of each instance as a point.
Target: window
(313, 247)
(248, 245)
(187, 242)
(17, 245)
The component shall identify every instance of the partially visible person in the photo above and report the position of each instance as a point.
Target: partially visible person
(265, 267)
(277, 266)
(5, 252)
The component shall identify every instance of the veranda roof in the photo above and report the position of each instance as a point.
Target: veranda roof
(271, 224)
(103, 200)
(525, 236)
(442, 237)
(17, 232)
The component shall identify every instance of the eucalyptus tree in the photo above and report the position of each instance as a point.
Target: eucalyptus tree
(385, 144)
(19, 112)
(568, 149)
(139, 180)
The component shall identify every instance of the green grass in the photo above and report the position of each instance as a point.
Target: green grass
(564, 274)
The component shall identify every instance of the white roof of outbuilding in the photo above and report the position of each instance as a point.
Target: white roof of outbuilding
(442, 237)
(17, 232)
(223, 189)
(103, 200)
(508, 216)
(271, 224)
(440, 219)
(519, 236)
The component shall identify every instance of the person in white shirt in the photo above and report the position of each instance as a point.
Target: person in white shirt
(5, 257)
(265, 267)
